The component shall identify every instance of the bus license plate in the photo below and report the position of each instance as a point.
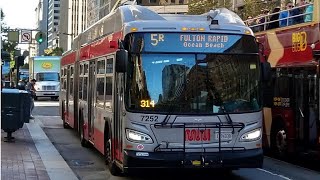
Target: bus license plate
(224, 135)
(198, 135)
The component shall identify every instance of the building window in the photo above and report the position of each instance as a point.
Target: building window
(56, 11)
(173, 1)
(55, 23)
(56, 5)
(56, 17)
(152, 1)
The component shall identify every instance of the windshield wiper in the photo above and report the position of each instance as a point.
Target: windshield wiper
(170, 110)
(227, 117)
(223, 108)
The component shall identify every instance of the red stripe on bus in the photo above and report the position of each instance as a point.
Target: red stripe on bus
(100, 47)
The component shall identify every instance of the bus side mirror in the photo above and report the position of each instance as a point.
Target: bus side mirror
(266, 71)
(121, 60)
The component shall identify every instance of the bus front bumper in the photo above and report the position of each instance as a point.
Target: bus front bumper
(231, 160)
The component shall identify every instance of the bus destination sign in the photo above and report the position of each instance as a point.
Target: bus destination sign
(189, 42)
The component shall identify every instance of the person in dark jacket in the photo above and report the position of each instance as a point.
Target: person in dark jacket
(275, 18)
(31, 90)
(298, 13)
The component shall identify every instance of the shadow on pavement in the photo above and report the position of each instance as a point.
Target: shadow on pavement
(183, 174)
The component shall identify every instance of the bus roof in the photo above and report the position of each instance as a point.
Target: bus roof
(143, 19)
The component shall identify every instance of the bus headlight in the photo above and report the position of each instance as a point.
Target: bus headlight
(252, 135)
(136, 136)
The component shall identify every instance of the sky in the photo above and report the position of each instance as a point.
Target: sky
(19, 14)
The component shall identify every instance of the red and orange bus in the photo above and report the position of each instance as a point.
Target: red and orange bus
(292, 121)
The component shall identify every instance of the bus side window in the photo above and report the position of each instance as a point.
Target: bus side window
(71, 86)
(100, 91)
(100, 75)
(108, 85)
(108, 92)
(110, 65)
(85, 91)
(80, 87)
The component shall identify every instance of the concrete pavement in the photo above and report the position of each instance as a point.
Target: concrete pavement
(32, 156)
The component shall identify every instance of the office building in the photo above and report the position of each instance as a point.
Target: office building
(53, 23)
(42, 24)
(73, 20)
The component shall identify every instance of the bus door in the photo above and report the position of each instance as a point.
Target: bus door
(313, 108)
(299, 104)
(119, 90)
(91, 99)
(67, 94)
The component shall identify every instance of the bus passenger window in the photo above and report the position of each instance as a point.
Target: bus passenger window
(110, 65)
(100, 91)
(64, 85)
(80, 87)
(71, 87)
(86, 69)
(108, 91)
(101, 67)
(85, 90)
(81, 69)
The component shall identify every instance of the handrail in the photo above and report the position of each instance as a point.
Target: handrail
(267, 17)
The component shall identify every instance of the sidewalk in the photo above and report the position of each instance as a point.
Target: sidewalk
(21, 160)
(32, 156)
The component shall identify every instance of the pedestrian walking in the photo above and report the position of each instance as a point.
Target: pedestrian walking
(31, 90)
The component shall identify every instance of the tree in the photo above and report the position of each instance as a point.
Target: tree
(253, 8)
(10, 47)
(203, 6)
(53, 52)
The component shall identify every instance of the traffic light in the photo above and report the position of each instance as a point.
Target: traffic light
(40, 37)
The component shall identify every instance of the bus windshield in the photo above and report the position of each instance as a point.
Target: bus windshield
(47, 76)
(193, 83)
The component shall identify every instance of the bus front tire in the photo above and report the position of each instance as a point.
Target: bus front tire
(114, 170)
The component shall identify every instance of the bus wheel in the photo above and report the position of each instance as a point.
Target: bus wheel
(114, 170)
(279, 141)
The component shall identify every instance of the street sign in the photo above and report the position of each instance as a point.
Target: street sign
(26, 36)
(13, 36)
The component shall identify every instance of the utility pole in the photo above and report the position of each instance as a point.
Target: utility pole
(1, 40)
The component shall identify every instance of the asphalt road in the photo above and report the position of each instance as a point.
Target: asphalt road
(88, 164)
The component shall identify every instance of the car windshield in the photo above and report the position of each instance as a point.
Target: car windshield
(193, 83)
(47, 76)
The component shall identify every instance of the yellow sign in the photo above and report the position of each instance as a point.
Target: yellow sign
(147, 103)
(47, 65)
(299, 41)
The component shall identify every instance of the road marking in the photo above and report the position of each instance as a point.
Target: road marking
(55, 165)
(279, 175)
